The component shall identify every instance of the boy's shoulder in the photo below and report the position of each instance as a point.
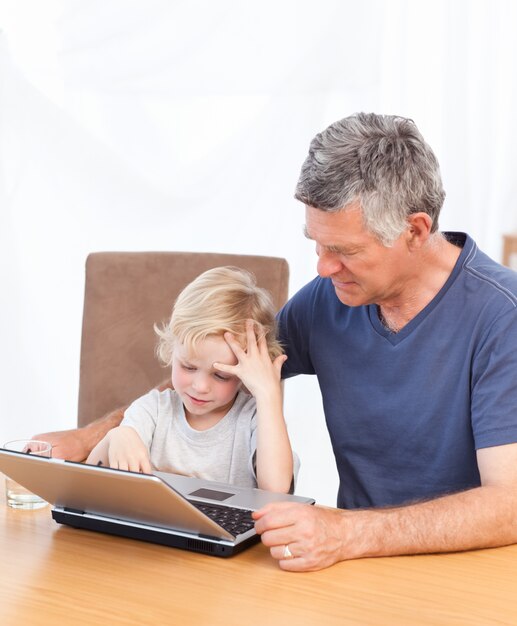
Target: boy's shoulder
(156, 399)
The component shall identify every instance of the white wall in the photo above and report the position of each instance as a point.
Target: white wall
(168, 125)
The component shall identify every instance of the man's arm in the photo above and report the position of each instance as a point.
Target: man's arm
(484, 517)
(77, 443)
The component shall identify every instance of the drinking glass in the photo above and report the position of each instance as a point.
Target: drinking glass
(16, 495)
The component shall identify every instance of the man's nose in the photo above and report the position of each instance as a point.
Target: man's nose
(328, 264)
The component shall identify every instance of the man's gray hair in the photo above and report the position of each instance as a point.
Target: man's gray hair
(383, 162)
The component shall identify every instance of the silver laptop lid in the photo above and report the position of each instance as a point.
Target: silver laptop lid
(117, 494)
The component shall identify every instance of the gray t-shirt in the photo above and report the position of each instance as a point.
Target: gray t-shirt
(223, 453)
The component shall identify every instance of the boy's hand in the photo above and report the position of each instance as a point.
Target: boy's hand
(127, 452)
(254, 368)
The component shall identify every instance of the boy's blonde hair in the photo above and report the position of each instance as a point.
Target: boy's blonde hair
(217, 301)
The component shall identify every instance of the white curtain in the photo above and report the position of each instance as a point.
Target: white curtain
(175, 125)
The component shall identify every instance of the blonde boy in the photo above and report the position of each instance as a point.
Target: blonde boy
(223, 419)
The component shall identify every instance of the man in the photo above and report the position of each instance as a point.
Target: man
(413, 337)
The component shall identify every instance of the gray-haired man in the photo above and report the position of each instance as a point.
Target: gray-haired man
(412, 334)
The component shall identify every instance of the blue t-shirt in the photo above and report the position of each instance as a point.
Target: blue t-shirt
(406, 412)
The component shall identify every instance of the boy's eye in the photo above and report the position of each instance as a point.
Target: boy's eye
(221, 377)
(189, 368)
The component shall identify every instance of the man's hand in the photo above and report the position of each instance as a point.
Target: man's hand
(66, 444)
(315, 536)
(481, 517)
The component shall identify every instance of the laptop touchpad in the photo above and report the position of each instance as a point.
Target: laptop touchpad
(211, 494)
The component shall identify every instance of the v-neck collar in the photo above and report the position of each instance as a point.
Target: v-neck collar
(458, 239)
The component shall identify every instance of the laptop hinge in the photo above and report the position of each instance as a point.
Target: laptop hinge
(209, 537)
(70, 510)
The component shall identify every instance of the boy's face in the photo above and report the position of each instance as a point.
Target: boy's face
(207, 394)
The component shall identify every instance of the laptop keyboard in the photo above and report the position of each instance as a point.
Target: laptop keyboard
(235, 521)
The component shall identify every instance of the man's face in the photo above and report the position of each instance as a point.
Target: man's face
(362, 270)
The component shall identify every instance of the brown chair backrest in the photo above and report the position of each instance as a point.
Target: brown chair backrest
(126, 293)
(510, 251)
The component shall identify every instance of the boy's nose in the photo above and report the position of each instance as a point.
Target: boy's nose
(200, 384)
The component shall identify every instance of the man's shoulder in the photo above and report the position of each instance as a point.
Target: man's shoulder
(316, 290)
(490, 277)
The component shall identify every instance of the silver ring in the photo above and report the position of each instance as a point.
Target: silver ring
(287, 553)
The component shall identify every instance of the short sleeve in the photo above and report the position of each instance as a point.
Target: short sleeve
(294, 331)
(142, 415)
(494, 385)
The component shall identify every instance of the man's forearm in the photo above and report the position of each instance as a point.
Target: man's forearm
(93, 432)
(77, 443)
(479, 518)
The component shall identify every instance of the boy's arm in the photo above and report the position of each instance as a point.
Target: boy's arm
(77, 443)
(122, 448)
(274, 457)
(100, 453)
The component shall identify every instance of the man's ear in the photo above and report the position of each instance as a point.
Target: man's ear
(418, 230)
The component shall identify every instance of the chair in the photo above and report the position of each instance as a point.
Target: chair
(126, 293)
(510, 251)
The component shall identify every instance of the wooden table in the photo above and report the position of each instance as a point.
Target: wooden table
(52, 574)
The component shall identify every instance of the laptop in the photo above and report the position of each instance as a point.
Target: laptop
(169, 509)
